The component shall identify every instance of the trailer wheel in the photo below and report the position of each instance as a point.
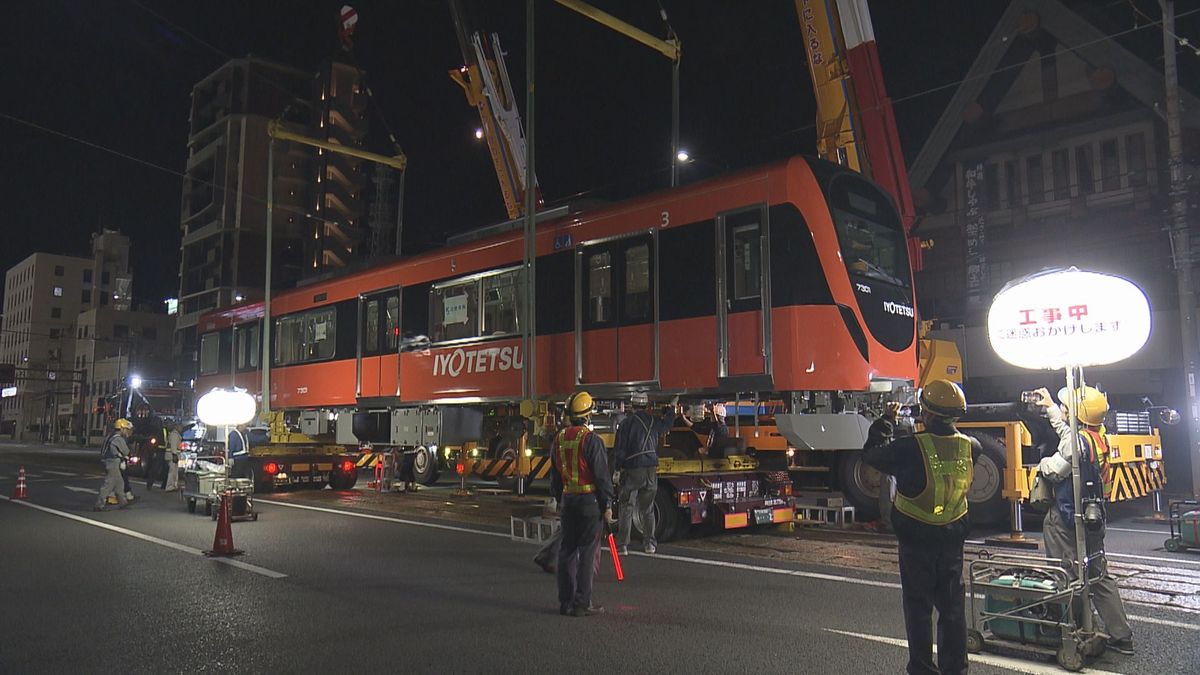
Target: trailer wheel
(1069, 658)
(985, 499)
(860, 484)
(1174, 545)
(974, 641)
(666, 516)
(505, 451)
(191, 504)
(425, 466)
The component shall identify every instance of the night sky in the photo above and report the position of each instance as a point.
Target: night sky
(118, 74)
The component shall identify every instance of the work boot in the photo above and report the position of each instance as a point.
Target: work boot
(546, 565)
(622, 550)
(565, 610)
(1124, 645)
(587, 611)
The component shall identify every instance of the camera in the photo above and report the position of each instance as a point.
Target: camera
(1093, 514)
(1030, 397)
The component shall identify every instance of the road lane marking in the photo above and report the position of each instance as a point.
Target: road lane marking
(153, 540)
(1182, 561)
(1005, 662)
(1130, 529)
(72, 488)
(389, 519)
(59, 473)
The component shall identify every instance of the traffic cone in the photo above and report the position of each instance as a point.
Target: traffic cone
(223, 541)
(20, 492)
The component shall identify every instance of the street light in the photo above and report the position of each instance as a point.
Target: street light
(682, 156)
(135, 381)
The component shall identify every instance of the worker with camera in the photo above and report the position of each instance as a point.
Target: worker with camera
(933, 471)
(1058, 531)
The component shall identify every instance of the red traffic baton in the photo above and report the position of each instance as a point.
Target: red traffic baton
(612, 548)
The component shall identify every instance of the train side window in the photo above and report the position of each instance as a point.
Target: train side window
(501, 303)
(372, 328)
(392, 323)
(600, 287)
(454, 311)
(747, 262)
(308, 336)
(637, 282)
(255, 347)
(240, 347)
(210, 353)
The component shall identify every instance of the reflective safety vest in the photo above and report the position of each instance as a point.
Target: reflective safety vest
(571, 464)
(948, 474)
(1100, 457)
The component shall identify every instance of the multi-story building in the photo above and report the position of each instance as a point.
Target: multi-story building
(319, 205)
(1052, 153)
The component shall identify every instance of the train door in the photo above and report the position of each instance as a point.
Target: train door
(616, 318)
(378, 344)
(744, 297)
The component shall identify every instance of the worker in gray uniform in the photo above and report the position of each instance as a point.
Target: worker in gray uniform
(635, 457)
(114, 453)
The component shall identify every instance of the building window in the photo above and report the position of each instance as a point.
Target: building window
(120, 331)
(1060, 173)
(85, 297)
(1083, 169)
(58, 270)
(1012, 184)
(1135, 159)
(58, 291)
(87, 276)
(1110, 165)
(104, 278)
(1035, 183)
(56, 312)
(55, 333)
(149, 333)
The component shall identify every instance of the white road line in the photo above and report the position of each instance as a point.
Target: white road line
(1181, 561)
(59, 473)
(153, 540)
(72, 488)
(1008, 663)
(1130, 529)
(388, 519)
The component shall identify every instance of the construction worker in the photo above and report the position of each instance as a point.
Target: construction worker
(1058, 530)
(156, 466)
(174, 441)
(882, 432)
(713, 425)
(114, 453)
(635, 457)
(580, 481)
(238, 451)
(933, 471)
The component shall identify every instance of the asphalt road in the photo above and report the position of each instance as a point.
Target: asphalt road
(331, 589)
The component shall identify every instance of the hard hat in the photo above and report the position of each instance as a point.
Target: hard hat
(639, 398)
(719, 410)
(1093, 405)
(123, 424)
(580, 404)
(944, 399)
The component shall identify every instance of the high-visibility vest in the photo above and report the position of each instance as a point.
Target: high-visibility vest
(948, 474)
(1100, 457)
(571, 464)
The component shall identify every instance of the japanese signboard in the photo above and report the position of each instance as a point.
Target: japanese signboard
(976, 225)
(1061, 318)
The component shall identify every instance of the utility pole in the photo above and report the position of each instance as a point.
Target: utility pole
(1181, 246)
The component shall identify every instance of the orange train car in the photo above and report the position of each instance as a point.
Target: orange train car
(790, 282)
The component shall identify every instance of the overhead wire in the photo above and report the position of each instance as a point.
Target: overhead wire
(629, 175)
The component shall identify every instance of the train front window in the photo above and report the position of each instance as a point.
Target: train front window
(210, 346)
(869, 231)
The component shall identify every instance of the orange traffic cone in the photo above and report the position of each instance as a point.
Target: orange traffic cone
(20, 492)
(223, 541)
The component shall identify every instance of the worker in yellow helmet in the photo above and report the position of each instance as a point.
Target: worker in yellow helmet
(113, 454)
(933, 471)
(581, 482)
(1058, 532)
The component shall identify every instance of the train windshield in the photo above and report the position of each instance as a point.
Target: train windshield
(869, 231)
